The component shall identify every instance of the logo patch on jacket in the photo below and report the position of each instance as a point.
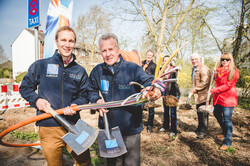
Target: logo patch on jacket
(122, 87)
(75, 76)
(52, 70)
(104, 86)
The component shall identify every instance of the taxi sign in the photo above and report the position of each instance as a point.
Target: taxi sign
(33, 13)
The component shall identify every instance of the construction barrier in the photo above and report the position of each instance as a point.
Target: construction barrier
(10, 97)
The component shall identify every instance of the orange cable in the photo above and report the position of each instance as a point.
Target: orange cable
(25, 122)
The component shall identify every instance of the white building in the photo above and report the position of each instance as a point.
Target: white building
(23, 51)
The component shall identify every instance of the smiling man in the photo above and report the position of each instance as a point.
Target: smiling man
(200, 79)
(112, 79)
(61, 82)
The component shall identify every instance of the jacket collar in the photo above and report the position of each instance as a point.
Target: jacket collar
(58, 57)
(145, 62)
(115, 66)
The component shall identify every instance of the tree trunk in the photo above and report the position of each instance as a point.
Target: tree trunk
(240, 34)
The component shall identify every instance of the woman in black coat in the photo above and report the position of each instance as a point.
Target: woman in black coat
(170, 100)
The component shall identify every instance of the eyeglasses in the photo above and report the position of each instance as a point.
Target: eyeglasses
(225, 59)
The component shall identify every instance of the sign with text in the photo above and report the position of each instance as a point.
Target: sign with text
(33, 13)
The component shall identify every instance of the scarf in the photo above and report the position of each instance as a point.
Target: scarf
(222, 70)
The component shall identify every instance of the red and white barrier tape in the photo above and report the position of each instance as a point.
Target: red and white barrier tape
(10, 97)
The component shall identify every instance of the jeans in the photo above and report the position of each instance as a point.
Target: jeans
(224, 118)
(173, 118)
(151, 114)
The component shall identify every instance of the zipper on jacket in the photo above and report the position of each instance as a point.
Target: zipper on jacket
(62, 86)
(112, 85)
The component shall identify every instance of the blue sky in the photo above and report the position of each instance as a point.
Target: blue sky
(13, 18)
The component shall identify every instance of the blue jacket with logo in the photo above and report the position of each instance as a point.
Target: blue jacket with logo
(115, 87)
(60, 86)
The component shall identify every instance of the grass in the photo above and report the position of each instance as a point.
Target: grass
(28, 136)
(33, 136)
(244, 103)
(96, 160)
(229, 150)
(174, 137)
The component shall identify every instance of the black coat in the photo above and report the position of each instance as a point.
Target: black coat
(150, 70)
(172, 88)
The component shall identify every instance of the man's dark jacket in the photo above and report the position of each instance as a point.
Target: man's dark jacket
(60, 86)
(115, 87)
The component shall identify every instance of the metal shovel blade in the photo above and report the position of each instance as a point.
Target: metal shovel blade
(186, 106)
(83, 139)
(111, 147)
(206, 108)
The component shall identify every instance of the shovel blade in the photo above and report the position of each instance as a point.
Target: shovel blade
(185, 107)
(81, 141)
(111, 148)
(204, 108)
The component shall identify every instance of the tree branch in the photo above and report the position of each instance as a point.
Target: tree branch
(177, 24)
(217, 43)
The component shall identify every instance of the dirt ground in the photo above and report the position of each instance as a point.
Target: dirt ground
(157, 148)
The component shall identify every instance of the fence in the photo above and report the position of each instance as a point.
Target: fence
(10, 97)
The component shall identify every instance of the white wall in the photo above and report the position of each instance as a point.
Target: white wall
(23, 52)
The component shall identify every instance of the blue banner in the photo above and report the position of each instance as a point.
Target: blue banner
(59, 14)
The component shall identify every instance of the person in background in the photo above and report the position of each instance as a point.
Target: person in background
(61, 82)
(170, 100)
(112, 79)
(225, 96)
(200, 80)
(149, 67)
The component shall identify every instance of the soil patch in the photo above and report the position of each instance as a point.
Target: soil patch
(157, 148)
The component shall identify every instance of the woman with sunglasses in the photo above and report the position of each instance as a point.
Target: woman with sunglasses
(225, 97)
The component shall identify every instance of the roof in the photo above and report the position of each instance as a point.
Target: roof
(32, 32)
(41, 34)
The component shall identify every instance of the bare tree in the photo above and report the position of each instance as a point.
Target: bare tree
(89, 26)
(155, 14)
(3, 57)
(241, 31)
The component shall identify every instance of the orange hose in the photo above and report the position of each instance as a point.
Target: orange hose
(25, 122)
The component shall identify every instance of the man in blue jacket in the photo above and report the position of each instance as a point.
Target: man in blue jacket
(112, 79)
(61, 82)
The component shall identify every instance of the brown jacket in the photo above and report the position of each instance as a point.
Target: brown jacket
(201, 81)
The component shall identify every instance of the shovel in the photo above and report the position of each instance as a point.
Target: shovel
(208, 108)
(186, 106)
(79, 137)
(111, 144)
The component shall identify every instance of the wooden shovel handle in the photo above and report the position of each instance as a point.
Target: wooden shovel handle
(60, 111)
(52, 112)
(211, 82)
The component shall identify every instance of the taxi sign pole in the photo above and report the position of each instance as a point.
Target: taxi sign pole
(36, 43)
(34, 21)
